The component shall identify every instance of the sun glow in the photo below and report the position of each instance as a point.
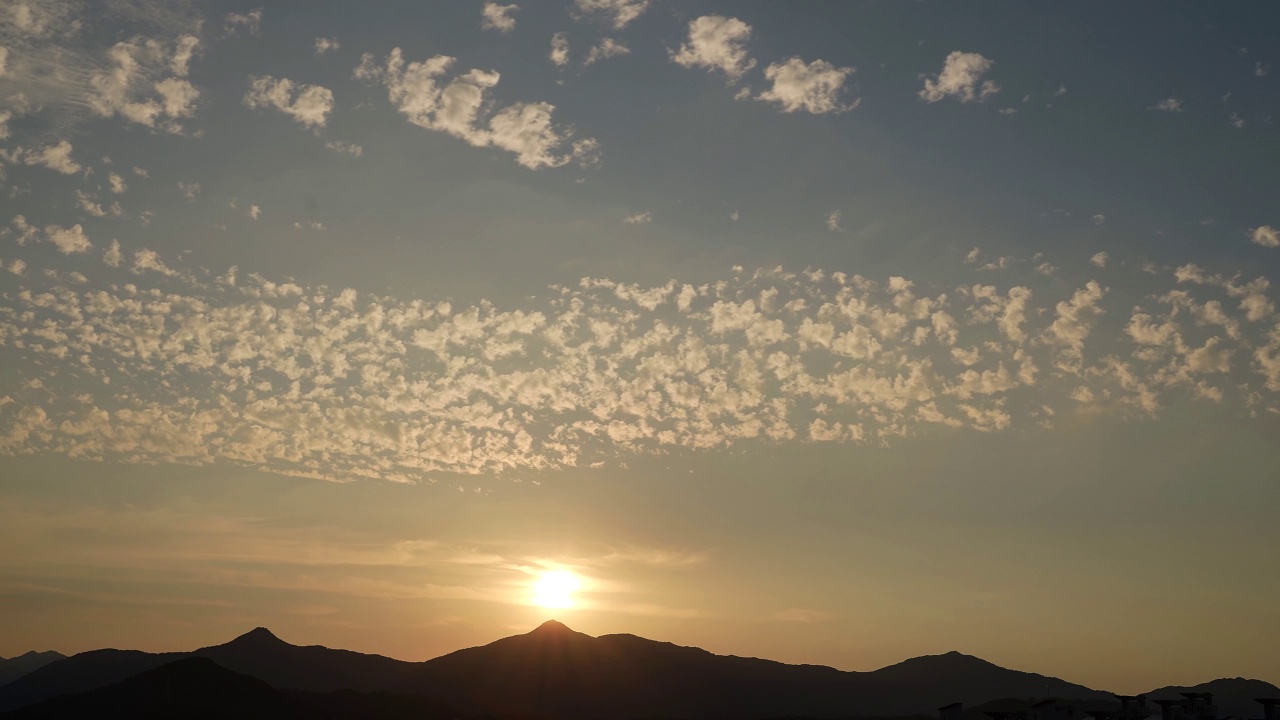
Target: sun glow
(555, 589)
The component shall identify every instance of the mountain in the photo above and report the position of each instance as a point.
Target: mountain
(554, 671)
(314, 667)
(937, 680)
(1232, 696)
(258, 653)
(15, 667)
(557, 672)
(197, 688)
(83, 671)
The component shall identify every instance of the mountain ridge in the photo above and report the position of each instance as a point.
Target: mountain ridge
(15, 667)
(555, 671)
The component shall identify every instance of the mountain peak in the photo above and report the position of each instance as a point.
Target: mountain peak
(552, 627)
(259, 636)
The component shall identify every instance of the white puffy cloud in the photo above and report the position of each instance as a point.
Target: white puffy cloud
(116, 183)
(1073, 322)
(68, 240)
(833, 221)
(254, 212)
(716, 42)
(560, 49)
(606, 48)
(56, 157)
(498, 17)
(325, 45)
(617, 13)
(112, 256)
(1266, 236)
(457, 108)
(309, 105)
(1099, 259)
(249, 22)
(145, 83)
(815, 87)
(961, 78)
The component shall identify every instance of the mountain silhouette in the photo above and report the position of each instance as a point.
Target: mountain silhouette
(556, 672)
(258, 653)
(937, 680)
(1232, 696)
(15, 667)
(197, 688)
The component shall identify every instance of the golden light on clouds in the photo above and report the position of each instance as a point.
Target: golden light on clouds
(554, 589)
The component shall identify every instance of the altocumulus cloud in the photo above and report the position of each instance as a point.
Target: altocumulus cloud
(146, 361)
(458, 108)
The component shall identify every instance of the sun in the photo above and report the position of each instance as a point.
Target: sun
(555, 589)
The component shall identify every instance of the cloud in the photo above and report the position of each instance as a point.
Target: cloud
(1265, 235)
(112, 256)
(325, 45)
(833, 221)
(560, 49)
(145, 83)
(1073, 322)
(189, 190)
(1099, 259)
(117, 183)
(498, 17)
(235, 23)
(308, 105)
(1172, 105)
(640, 218)
(814, 88)
(961, 78)
(1099, 219)
(341, 146)
(458, 107)
(617, 13)
(56, 157)
(254, 212)
(716, 43)
(69, 241)
(86, 203)
(341, 384)
(606, 48)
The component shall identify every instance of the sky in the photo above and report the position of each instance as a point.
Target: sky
(831, 333)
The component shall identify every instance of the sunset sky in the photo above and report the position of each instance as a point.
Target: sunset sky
(831, 333)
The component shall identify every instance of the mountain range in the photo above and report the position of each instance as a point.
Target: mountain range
(15, 667)
(551, 672)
